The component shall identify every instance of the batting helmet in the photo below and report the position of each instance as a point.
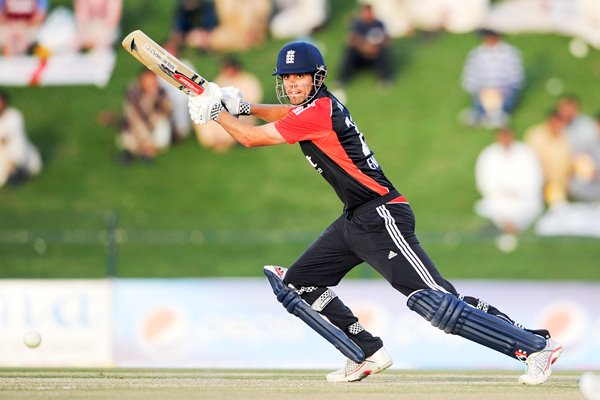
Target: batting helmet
(299, 58)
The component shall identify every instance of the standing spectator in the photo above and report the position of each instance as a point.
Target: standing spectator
(493, 75)
(97, 22)
(549, 141)
(147, 126)
(212, 135)
(193, 18)
(368, 46)
(585, 182)
(509, 177)
(19, 23)
(19, 159)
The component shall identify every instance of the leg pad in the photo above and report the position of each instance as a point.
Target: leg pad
(454, 316)
(295, 305)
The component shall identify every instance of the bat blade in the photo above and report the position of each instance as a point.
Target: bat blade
(163, 63)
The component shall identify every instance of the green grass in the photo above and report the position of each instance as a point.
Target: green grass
(196, 213)
(129, 384)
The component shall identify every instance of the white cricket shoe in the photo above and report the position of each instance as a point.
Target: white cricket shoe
(539, 364)
(352, 372)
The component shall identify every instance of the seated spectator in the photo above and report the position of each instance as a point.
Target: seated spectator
(19, 159)
(147, 126)
(212, 135)
(242, 25)
(580, 128)
(585, 183)
(493, 75)
(19, 23)
(549, 141)
(509, 178)
(286, 24)
(368, 46)
(194, 18)
(97, 22)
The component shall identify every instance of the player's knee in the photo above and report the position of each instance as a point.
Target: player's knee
(442, 309)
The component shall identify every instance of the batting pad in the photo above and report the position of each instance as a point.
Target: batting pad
(295, 305)
(454, 316)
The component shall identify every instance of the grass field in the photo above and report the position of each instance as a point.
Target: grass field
(150, 384)
(196, 213)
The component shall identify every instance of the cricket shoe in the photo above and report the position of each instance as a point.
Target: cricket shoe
(353, 372)
(539, 364)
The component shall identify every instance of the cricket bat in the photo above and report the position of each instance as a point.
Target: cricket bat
(164, 64)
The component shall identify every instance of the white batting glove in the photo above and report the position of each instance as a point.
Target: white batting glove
(207, 106)
(233, 101)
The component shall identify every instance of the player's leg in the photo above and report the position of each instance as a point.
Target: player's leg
(324, 264)
(396, 253)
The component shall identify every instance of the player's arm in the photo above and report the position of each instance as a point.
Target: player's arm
(209, 106)
(269, 112)
(236, 105)
(250, 135)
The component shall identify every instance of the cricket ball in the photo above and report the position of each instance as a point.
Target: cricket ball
(32, 339)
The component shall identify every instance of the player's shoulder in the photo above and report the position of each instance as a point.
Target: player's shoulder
(318, 106)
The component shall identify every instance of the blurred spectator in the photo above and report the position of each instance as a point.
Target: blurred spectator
(395, 14)
(242, 25)
(368, 46)
(509, 178)
(493, 75)
(576, 18)
(147, 126)
(585, 183)
(286, 24)
(19, 159)
(19, 24)
(58, 34)
(549, 140)
(194, 18)
(97, 22)
(212, 135)
(457, 16)
(581, 129)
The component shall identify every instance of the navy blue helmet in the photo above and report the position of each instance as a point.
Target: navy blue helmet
(299, 58)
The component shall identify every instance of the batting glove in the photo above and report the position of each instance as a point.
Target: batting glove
(232, 100)
(207, 106)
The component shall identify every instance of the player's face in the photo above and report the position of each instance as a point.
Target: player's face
(297, 87)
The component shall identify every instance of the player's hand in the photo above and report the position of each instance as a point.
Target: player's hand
(233, 101)
(207, 106)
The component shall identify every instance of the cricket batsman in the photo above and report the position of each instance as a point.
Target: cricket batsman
(376, 226)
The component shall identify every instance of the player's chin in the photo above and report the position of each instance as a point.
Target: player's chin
(295, 100)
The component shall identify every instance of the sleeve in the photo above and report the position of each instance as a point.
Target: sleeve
(310, 123)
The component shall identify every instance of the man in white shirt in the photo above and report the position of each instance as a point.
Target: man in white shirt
(19, 159)
(509, 177)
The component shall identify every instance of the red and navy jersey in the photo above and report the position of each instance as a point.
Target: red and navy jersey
(335, 147)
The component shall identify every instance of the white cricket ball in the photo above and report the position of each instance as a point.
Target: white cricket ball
(32, 339)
